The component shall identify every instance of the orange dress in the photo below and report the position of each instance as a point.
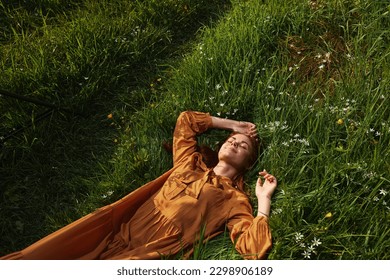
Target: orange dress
(165, 216)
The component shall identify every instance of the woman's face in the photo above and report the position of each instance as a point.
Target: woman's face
(237, 151)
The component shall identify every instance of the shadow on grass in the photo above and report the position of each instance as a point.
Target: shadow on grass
(50, 173)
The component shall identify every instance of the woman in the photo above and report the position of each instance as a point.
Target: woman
(166, 216)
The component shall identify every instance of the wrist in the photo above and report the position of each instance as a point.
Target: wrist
(261, 213)
(263, 206)
(264, 197)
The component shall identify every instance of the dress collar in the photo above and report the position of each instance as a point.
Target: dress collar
(220, 180)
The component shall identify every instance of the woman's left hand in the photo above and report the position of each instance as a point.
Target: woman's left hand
(242, 127)
(246, 128)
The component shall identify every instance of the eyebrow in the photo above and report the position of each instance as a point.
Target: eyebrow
(234, 138)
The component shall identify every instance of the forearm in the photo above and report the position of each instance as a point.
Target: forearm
(264, 206)
(221, 123)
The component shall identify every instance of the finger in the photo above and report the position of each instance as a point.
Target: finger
(259, 182)
(269, 178)
(263, 173)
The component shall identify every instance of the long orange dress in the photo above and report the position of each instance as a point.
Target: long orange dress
(164, 217)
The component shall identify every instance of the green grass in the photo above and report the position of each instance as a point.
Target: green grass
(313, 76)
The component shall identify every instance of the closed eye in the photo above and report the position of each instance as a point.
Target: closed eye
(242, 144)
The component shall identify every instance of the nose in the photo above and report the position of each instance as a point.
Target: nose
(234, 143)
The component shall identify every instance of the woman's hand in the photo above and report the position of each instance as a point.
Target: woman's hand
(246, 128)
(266, 188)
(264, 192)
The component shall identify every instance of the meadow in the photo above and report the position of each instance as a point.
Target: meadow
(313, 76)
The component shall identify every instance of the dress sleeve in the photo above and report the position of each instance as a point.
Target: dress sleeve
(188, 125)
(250, 235)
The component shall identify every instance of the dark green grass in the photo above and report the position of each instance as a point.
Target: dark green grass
(92, 59)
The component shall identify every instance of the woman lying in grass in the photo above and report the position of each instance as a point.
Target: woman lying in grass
(165, 217)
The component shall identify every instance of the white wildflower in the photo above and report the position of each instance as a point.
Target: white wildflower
(277, 211)
(306, 254)
(107, 194)
(369, 175)
(298, 237)
(382, 192)
(304, 142)
(311, 248)
(316, 241)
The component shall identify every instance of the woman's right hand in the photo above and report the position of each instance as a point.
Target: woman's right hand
(266, 188)
(264, 192)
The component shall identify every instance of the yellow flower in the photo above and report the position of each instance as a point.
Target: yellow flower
(340, 121)
(109, 116)
(329, 215)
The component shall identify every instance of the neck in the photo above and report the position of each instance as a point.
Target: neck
(225, 169)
